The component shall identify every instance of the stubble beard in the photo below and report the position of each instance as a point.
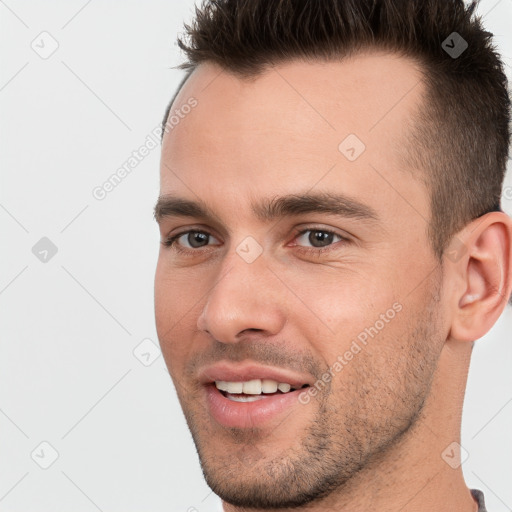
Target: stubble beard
(357, 423)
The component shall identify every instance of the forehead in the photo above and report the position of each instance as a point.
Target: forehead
(298, 125)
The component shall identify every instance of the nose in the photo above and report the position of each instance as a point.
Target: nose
(246, 297)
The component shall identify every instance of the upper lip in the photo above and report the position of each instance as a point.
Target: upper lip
(242, 372)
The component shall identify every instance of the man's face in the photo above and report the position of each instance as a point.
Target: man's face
(349, 308)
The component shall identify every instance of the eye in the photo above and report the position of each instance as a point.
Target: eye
(320, 239)
(194, 238)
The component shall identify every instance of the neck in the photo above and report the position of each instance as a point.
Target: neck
(422, 471)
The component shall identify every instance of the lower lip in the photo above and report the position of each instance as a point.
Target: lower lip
(248, 414)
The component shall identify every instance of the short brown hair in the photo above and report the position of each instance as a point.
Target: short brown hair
(461, 132)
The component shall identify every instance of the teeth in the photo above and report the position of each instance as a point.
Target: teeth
(230, 387)
(248, 398)
(253, 387)
(268, 386)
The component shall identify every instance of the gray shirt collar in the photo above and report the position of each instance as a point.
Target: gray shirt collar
(479, 498)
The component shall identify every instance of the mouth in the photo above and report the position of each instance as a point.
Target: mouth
(255, 389)
(252, 403)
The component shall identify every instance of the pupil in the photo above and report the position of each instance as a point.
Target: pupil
(320, 236)
(193, 238)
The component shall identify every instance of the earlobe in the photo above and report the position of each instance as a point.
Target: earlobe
(483, 276)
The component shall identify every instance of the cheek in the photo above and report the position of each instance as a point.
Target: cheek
(176, 342)
(174, 293)
(344, 305)
(371, 367)
(352, 324)
(165, 302)
(173, 314)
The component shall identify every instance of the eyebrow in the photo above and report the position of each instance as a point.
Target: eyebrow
(269, 209)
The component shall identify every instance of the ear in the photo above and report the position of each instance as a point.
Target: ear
(479, 263)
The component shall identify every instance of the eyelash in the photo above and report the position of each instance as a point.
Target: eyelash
(170, 241)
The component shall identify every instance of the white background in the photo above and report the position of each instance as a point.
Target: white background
(69, 326)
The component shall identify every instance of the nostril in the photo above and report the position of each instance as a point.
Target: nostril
(249, 331)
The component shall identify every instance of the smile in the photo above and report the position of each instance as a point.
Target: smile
(246, 404)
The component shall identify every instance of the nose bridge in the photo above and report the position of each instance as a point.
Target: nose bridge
(243, 297)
